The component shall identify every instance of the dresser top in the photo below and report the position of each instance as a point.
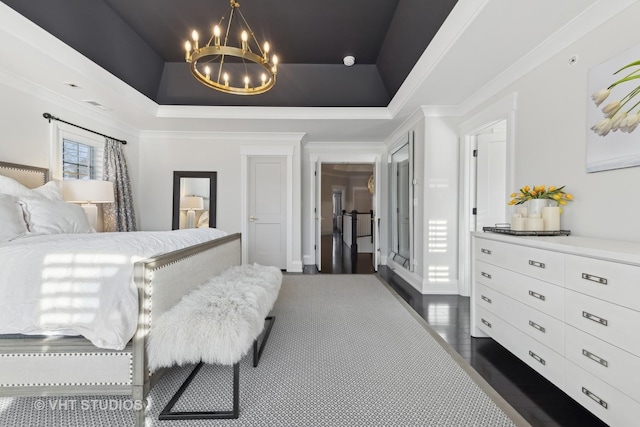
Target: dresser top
(614, 250)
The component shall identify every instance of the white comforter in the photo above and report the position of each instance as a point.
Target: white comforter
(81, 284)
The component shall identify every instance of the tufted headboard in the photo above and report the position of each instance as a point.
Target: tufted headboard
(29, 176)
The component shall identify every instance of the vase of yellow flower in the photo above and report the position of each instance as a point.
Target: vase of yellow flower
(539, 197)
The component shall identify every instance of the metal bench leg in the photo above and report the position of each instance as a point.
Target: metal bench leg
(257, 352)
(166, 413)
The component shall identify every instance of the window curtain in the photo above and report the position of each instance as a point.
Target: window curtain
(117, 216)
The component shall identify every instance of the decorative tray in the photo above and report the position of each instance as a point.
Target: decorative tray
(508, 230)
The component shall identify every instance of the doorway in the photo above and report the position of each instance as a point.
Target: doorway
(346, 219)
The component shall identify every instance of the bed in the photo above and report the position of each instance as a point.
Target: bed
(73, 361)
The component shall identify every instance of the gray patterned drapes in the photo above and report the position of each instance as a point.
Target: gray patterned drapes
(117, 216)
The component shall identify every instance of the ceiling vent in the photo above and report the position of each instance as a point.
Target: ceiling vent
(96, 104)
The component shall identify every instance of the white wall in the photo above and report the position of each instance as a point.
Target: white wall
(551, 131)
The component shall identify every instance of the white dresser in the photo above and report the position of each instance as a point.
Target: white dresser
(569, 307)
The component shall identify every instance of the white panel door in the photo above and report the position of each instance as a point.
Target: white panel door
(491, 179)
(267, 211)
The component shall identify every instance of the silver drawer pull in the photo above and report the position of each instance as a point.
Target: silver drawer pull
(595, 398)
(593, 278)
(538, 358)
(485, 251)
(595, 358)
(487, 275)
(485, 322)
(536, 326)
(595, 318)
(486, 299)
(537, 295)
(536, 264)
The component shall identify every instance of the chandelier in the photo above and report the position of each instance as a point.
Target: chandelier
(243, 70)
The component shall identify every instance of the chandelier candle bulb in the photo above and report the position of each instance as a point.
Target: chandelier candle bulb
(216, 35)
(244, 41)
(264, 79)
(226, 79)
(266, 50)
(194, 36)
(187, 48)
(246, 82)
(207, 72)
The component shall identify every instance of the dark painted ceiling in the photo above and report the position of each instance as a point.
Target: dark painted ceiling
(141, 42)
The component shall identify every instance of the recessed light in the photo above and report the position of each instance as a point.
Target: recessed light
(96, 104)
(349, 60)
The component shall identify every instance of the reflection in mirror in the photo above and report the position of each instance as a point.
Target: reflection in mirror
(401, 213)
(194, 199)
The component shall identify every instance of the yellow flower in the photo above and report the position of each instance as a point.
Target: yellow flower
(526, 189)
(562, 202)
(513, 195)
(568, 196)
(556, 197)
(552, 188)
(534, 193)
(513, 202)
(538, 188)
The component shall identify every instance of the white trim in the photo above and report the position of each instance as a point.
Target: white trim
(503, 109)
(59, 132)
(246, 152)
(281, 137)
(274, 113)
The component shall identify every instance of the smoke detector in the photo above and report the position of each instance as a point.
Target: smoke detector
(349, 60)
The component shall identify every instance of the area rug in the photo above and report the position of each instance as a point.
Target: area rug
(345, 350)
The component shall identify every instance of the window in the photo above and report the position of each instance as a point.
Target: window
(78, 161)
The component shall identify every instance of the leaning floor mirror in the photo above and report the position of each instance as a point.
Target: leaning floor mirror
(401, 194)
(194, 199)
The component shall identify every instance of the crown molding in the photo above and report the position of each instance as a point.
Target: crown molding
(274, 113)
(281, 137)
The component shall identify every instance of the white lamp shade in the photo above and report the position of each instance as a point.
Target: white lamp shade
(195, 203)
(87, 191)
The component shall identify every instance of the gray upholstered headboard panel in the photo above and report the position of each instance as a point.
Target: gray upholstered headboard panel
(29, 176)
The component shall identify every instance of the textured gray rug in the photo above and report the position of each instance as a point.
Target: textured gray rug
(344, 351)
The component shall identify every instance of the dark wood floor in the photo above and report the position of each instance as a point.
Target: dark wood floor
(336, 258)
(536, 399)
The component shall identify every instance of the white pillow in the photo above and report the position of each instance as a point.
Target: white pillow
(54, 217)
(12, 223)
(12, 187)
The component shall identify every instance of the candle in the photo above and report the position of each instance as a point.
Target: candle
(551, 218)
(522, 210)
(534, 215)
(518, 223)
(534, 224)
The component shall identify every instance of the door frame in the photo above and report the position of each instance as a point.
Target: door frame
(246, 152)
(315, 172)
(504, 109)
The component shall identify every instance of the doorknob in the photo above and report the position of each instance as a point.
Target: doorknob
(252, 218)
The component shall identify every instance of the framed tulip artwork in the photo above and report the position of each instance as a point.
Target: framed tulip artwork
(613, 113)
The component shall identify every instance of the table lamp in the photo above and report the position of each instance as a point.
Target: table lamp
(88, 192)
(191, 204)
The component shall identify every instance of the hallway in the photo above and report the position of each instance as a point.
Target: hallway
(337, 257)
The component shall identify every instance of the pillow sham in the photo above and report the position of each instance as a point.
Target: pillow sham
(54, 217)
(12, 223)
(49, 191)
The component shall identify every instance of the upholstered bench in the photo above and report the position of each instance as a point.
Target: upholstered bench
(216, 324)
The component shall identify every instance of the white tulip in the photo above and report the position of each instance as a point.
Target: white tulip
(617, 120)
(631, 123)
(599, 96)
(603, 127)
(610, 109)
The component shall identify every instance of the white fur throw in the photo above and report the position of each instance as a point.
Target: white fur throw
(218, 322)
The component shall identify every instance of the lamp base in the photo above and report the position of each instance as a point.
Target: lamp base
(91, 211)
(191, 218)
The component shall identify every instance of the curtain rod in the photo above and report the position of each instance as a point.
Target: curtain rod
(50, 117)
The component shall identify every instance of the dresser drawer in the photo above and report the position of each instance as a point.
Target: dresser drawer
(607, 362)
(612, 323)
(538, 356)
(539, 326)
(607, 280)
(542, 296)
(610, 405)
(536, 263)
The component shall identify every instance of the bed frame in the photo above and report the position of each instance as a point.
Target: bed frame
(72, 366)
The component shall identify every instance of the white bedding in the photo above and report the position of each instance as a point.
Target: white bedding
(81, 284)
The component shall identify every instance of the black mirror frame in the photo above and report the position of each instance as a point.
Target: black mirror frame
(213, 178)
